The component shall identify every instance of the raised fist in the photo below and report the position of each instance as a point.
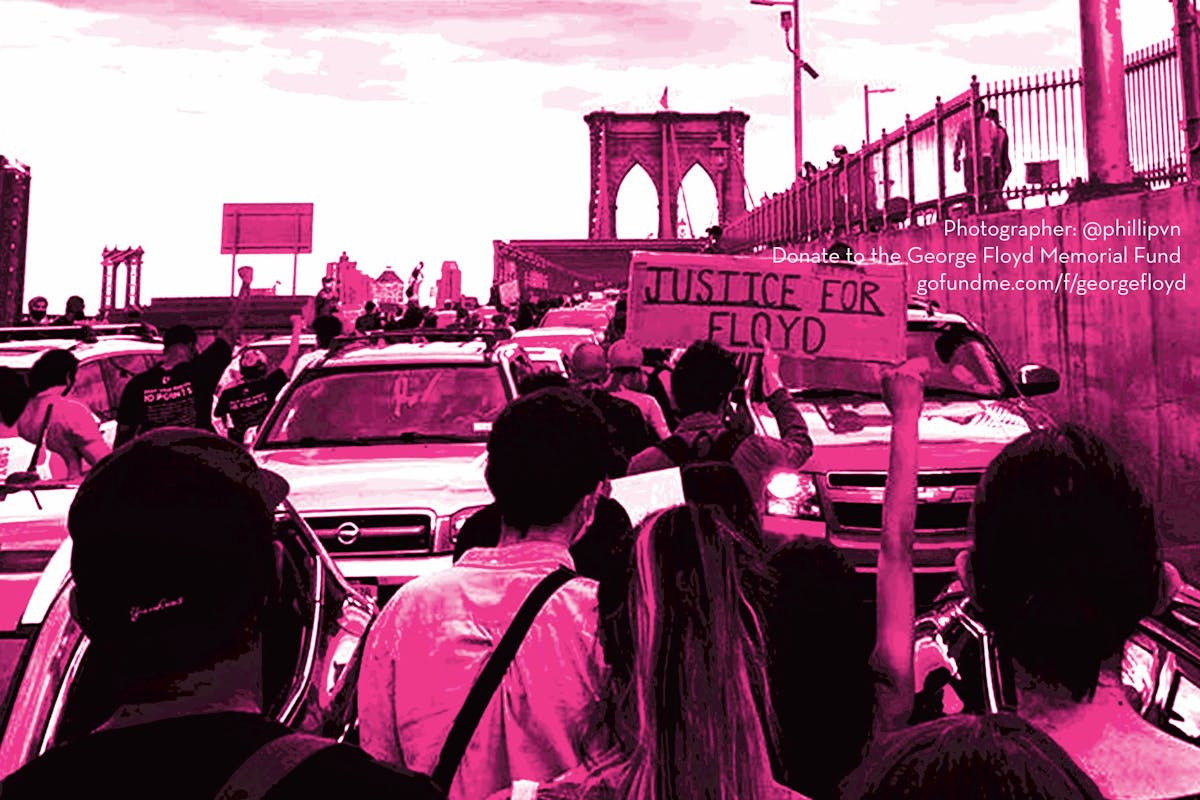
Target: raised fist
(246, 274)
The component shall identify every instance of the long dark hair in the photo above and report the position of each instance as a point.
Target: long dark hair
(14, 395)
(686, 721)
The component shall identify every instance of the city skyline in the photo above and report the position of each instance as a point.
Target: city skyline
(422, 131)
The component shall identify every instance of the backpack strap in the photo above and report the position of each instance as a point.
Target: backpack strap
(726, 445)
(490, 676)
(270, 764)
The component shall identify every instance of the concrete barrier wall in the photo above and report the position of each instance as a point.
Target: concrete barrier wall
(1130, 364)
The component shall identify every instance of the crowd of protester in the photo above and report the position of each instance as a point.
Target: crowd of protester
(571, 654)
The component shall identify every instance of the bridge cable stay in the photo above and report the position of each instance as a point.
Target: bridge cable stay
(682, 191)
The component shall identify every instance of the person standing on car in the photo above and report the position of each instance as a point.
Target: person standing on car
(247, 403)
(178, 392)
(64, 425)
(175, 614)
(546, 456)
(702, 382)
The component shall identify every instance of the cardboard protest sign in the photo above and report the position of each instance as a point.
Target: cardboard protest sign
(647, 492)
(510, 293)
(854, 311)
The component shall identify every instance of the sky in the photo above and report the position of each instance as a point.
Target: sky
(422, 130)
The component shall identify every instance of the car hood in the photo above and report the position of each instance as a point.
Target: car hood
(442, 477)
(954, 434)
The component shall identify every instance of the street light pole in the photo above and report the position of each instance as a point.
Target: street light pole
(867, 92)
(789, 20)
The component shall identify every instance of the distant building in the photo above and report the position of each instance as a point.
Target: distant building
(14, 218)
(449, 286)
(353, 287)
(389, 291)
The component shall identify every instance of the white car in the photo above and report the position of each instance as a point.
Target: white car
(563, 339)
(383, 443)
(109, 355)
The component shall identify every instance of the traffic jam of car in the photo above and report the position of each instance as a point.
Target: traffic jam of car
(382, 437)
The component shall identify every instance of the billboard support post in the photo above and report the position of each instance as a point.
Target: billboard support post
(267, 228)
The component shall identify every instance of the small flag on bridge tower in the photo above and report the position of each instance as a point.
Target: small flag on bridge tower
(663, 101)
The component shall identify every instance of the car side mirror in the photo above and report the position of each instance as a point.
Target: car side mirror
(1035, 379)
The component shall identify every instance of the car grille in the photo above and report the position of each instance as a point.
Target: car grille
(855, 502)
(374, 534)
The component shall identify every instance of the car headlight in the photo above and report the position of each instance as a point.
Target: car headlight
(458, 519)
(793, 494)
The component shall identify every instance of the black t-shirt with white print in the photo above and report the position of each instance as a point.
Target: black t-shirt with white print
(181, 397)
(192, 758)
(247, 403)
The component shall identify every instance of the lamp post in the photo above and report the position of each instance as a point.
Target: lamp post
(789, 19)
(867, 92)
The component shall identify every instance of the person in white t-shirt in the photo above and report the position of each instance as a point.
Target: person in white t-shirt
(628, 382)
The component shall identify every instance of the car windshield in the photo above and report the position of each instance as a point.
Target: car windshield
(444, 403)
(575, 318)
(960, 366)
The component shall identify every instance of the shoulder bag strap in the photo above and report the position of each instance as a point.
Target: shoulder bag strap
(270, 764)
(726, 445)
(489, 678)
(41, 442)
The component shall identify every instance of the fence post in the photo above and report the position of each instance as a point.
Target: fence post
(887, 180)
(976, 205)
(940, 139)
(910, 161)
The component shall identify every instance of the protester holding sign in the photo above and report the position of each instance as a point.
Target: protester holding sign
(702, 382)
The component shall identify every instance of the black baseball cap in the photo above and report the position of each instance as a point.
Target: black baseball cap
(172, 541)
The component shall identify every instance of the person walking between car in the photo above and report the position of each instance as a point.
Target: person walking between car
(628, 382)
(179, 391)
(176, 572)
(246, 404)
(702, 383)
(62, 424)
(629, 433)
(425, 697)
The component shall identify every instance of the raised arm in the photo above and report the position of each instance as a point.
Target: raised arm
(233, 326)
(289, 358)
(895, 602)
(793, 432)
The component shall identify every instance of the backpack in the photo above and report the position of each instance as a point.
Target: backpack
(704, 447)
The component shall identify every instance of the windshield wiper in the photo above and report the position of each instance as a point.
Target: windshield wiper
(315, 441)
(412, 437)
(833, 394)
(942, 391)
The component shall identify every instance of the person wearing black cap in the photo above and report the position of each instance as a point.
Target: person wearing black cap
(179, 390)
(172, 590)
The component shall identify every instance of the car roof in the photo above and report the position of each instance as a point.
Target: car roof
(469, 352)
(305, 338)
(553, 330)
(22, 355)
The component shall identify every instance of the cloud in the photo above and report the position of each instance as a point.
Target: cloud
(347, 68)
(569, 98)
